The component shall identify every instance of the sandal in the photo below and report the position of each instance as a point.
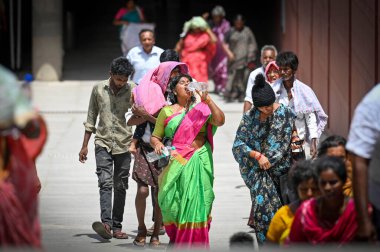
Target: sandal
(140, 238)
(154, 242)
(102, 229)
(119, 235)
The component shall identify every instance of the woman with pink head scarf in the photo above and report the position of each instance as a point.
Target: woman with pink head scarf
(149, 97)
(272, 72)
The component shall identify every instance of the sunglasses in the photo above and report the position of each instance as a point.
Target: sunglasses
(300, 142)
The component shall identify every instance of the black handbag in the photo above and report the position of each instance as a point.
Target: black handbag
(298, 155)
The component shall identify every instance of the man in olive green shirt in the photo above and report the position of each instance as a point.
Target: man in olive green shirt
(110, 100)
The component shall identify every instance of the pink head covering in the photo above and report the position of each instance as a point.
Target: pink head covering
(150, 92)
(270, 65)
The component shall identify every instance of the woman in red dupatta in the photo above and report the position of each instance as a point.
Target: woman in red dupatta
(330, 218)
(22, 136)
(197, 47)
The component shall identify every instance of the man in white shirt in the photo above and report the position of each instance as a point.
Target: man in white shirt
(310, 117)
(364, 144)
(304, 123)
(268, 54)
(146, 56)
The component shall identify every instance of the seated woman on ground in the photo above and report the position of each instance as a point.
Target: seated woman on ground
(330, 218)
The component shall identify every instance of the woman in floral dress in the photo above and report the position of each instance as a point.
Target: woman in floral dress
(262, 149)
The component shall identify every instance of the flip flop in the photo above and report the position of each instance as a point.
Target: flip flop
(140, 239)
(119, 235)
(102, 229)
(154, 243)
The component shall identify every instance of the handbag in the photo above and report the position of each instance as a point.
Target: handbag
(300, 154)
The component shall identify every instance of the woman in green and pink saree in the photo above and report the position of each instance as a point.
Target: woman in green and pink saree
(186, 184)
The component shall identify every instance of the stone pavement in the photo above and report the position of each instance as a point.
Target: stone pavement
(69, 200)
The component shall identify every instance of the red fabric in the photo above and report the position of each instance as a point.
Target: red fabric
(120, 13)
(19, 224)
(306, 227)
(197, 52)
(189, 238)
(34, 146)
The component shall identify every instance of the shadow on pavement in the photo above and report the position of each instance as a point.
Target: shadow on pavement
(93, 236)
(162, 246)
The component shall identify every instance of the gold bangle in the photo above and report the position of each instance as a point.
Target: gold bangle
(207, 100)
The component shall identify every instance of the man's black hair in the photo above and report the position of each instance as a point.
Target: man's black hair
(169, 55)
(241, 240)
(146, 30)
(287, 59)
(121, 66)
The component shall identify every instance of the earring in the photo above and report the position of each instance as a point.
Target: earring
(175, 93)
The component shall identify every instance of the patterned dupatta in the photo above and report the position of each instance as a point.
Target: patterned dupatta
(189, 125)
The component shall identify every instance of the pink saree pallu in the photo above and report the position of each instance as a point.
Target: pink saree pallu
(186, 184)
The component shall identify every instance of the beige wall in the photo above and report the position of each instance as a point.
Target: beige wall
(337, 43)
(47, 46)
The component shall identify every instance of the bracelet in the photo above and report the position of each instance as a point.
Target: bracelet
(259, 157)
(207, 100)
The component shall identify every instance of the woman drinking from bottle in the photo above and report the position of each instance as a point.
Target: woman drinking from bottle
(186, 184)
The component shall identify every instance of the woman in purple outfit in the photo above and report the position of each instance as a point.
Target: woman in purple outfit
(218, 67)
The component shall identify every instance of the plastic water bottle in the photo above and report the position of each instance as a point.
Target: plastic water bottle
(153, 156)
(200, 86)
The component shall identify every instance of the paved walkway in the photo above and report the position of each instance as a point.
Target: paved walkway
(69, 200)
